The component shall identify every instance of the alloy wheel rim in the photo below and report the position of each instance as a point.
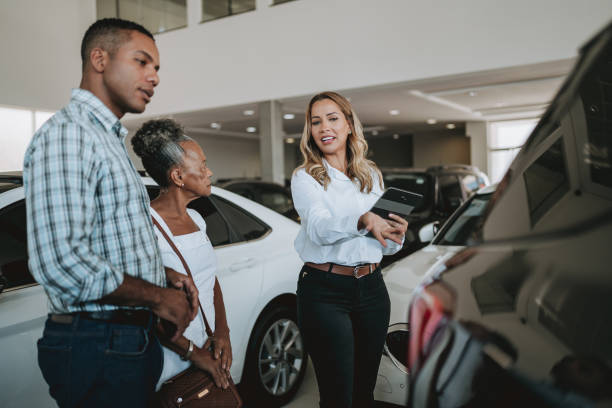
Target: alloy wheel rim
(280, 357)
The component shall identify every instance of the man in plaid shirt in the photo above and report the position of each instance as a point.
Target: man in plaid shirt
(90, 240)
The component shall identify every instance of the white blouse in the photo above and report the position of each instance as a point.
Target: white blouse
(197, 250)
(329, 220)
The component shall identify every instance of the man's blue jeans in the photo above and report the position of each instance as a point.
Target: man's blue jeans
(91, 363)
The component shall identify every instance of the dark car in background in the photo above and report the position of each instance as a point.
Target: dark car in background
(524, 319)
(444, 189)
(271, 195)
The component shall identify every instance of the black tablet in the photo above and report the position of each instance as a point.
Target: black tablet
(396, 201)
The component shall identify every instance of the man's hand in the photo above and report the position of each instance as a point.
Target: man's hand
(222, 348)
(180, 281)
(174, 306)
(204, 360)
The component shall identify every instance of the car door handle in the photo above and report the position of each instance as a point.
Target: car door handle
(242, 264)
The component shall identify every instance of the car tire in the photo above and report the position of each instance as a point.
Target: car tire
(275, 361)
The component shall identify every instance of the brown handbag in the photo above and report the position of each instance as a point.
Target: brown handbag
(193, 387)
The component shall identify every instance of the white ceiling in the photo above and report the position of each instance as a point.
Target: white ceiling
(503, 94)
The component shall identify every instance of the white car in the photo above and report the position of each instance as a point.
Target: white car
(257, 270)
(405, 275)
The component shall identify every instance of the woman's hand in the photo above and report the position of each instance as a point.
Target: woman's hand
(222, 348)
(204, 360)
(393, 229)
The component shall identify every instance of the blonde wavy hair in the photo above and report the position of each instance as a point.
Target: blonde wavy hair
(359, 168)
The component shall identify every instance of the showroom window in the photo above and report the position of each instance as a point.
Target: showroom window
(18, 126)
(156, 16)
(505, 140)
(214, 9)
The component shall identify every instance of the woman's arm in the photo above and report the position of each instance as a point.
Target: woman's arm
(222, 346)
(321, 226)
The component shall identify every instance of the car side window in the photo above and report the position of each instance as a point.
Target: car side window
(14, 270)
(216, 227)
(246, 225)
(450, 194)
(242, 189)
(276, 199)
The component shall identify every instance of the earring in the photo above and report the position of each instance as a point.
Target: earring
(182, 185)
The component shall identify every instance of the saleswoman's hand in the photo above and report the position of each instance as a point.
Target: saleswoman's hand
(222, 348)
(382, 229)
(204, 360)
(400, 227)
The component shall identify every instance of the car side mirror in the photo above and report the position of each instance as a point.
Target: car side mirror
(428, 231)
(396, 345)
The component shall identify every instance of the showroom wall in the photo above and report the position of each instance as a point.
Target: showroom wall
(288, 50)
(432, 148)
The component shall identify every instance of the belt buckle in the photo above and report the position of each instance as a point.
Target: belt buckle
(356, 272)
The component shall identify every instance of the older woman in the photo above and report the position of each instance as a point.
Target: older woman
(343, 304)
(178, 164)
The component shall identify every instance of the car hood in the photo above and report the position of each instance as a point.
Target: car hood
(403, 276)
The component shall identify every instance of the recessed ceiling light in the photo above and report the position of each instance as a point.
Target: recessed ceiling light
(215, 125)
(395, 136)
(431, 121)
(290, 140)
(288, 116)
(472, 93)
(251, 129)
(248, 112)
(375, 132)
(394, 112)
(450, 126)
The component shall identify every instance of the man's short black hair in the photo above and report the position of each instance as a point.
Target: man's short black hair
(109, 34)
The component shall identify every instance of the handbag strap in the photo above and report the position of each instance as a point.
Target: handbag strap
(209, 332)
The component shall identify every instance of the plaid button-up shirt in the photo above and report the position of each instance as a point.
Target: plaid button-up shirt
(88, 214)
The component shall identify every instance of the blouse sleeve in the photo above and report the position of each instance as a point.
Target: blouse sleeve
(321, 227)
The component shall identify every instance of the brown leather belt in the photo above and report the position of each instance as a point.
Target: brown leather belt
(137, 317)
(356, 271)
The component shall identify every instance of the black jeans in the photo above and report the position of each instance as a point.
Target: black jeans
(343, 321)
(91, 363)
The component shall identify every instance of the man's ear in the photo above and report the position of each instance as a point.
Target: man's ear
(98, 58)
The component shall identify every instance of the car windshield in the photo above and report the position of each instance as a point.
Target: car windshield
(464, 226)
(420, 183)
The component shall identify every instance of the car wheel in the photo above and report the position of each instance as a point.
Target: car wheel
(276, 360)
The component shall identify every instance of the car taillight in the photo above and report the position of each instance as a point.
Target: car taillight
(432, 305)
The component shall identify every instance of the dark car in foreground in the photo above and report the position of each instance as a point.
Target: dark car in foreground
(444, 189)
(525, 318)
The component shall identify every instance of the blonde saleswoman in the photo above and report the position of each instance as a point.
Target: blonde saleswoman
(343, 304)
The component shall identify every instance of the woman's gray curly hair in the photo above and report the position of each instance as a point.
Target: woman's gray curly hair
(157, 143)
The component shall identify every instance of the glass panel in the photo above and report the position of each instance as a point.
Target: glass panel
(499, 161)
(212, 9)
(245, 224)
(13, 251)
(510, 134)
(450, 193)
(546, 181)
(156, 16)
(464, 228)
(40, 117)
(596, 94)
(240, 6)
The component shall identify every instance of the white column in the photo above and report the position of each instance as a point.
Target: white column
(477, 132)
(271, 142)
